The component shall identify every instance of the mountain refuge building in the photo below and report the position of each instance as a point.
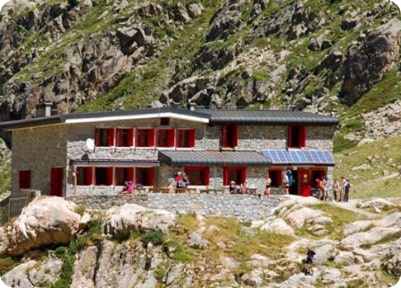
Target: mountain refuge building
(95, 153)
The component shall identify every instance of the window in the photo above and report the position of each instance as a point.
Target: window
(237, 174)
(164, 121)
(145, 176)
(25, 179)
(145, 137)
(276, 176)
(104, 137)
(165, 138)
(123, 174)
(185, 138)
(84, 175)
(124, 137)
(296, 136)
(198, 175)
(104, 176)
(229, 136)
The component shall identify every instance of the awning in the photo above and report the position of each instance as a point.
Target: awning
(115, 163)
(221, 158)
(300, 157)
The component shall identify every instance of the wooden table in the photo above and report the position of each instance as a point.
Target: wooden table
(159, 190)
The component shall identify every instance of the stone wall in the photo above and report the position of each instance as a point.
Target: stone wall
(242, 207)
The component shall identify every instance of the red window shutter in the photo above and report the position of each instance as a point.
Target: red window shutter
(150, 176)
(206, 180)
(289, 141)
(235, 135)
(97, 137)
(110, 137)
(89, 176)
(224, 136)
(170, 140)
(191, 138)
(302, 136)
(225, 175)
(151, 137)
(110, 178)
(130, 133)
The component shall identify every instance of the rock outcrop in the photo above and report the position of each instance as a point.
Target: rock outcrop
(347, 251)
(220, 54)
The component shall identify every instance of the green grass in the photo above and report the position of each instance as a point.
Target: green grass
(365, 166)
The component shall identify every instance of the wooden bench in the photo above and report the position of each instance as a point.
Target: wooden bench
(185, 190)
(140, 189)
(159, 190)
(212, 190)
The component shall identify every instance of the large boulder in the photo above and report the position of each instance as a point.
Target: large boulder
(45, 221)
(120, 221)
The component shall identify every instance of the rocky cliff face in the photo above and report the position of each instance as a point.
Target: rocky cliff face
(357, 245)
(97, 55)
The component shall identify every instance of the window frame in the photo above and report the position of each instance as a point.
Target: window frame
(296, 137)
(24, 179)
(185, 138)
(124, 140)
(229, 136)
(234, 173)
(87, 175)
(170, 137)
(148, 176)
(150, 137)
(104, 137)
(195, 177)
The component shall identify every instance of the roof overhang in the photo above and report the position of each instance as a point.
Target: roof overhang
(216, 158)
(115, 163)
(300, 157)
(106, 118)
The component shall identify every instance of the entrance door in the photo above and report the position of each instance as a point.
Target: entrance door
(294, 186)
(305, 182)
(56, 181)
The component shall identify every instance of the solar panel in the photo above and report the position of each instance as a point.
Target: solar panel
(300, 156)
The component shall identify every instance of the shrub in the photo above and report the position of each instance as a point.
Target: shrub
(155, 237)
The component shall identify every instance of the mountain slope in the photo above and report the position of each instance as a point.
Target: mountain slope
(102, 55)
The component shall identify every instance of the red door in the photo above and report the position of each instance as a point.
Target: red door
(56, 181)
(306, 187)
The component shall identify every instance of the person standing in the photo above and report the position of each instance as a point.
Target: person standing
(336, 189)
(328, 189)
(285, 183)
(347, 188)
(342, 188)
(268, 184)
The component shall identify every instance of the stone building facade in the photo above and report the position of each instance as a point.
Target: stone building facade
(91, 154)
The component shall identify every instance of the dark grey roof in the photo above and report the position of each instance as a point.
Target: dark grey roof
(300, 157)
(230, 158)
(59, 119)
(271, 117)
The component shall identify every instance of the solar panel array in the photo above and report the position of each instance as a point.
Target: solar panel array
(300, 156)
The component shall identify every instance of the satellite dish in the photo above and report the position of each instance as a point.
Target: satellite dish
(90, 144)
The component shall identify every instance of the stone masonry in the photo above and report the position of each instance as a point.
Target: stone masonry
(242, 207)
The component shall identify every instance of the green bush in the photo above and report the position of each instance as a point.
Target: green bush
(155, 237)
